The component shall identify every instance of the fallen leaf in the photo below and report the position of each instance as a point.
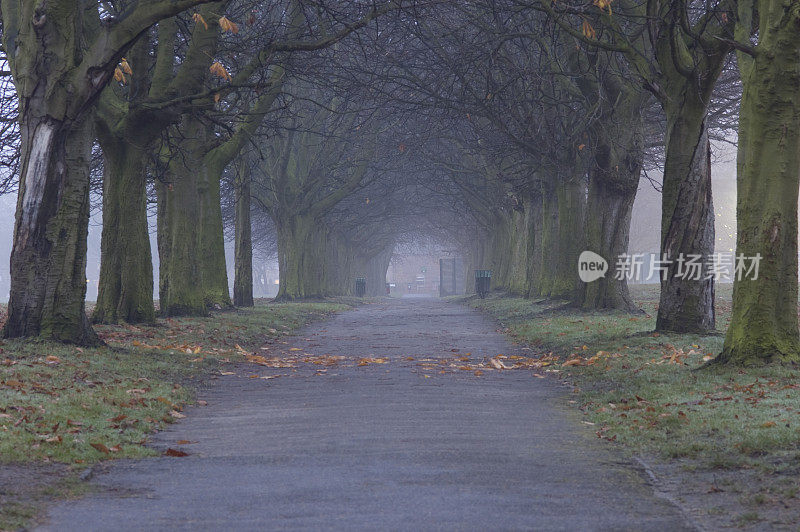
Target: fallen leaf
(175, 452)
(497, 364)
(100, 447)
(368, 360)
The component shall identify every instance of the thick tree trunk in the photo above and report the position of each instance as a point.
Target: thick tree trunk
(193, 271)
(180, 286)
(126, 266)
(243, 279)
(299, 257)
(563, 205)
(608, 221)
(48, 260)
(687, 304)
(764, 320)
(375, 272)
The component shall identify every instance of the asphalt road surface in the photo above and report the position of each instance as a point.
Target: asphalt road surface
(382, 446)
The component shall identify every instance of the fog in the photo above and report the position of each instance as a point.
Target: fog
(644, 230)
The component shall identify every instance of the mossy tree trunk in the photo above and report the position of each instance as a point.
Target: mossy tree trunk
(763, 324)
(563, 204)
(194, 226)
(202, 162)
(213, 269)
(179, 227)
(48, 260)
(126, 266)
(616, 164)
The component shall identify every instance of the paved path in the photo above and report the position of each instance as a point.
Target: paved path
(379, 446)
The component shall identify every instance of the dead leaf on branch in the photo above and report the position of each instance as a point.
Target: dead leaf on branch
(227, 25)
(126, 67)
(218, 70)
(198, 18)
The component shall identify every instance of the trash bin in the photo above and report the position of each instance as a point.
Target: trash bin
(361, 286)
(483, 282)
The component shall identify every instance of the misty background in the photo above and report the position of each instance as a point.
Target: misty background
(644, 236)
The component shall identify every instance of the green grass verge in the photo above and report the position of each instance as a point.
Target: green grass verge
(649, 392)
